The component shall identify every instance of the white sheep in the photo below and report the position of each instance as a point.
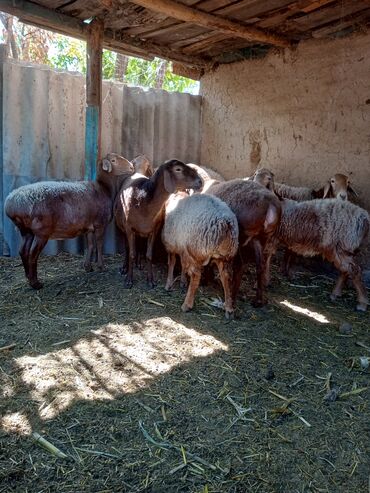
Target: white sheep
(332, 228)
(337, 186)
(209, 176)
(200, 228)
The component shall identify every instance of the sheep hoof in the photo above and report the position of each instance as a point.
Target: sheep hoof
(229, 315)
(123, 271)
(151, 284)
(185, 308)
(258, 303)
(102, 268)
(129, 283)
(168, 287)
(333, 297)
(361, 307)
(88, 267)
(36, 284)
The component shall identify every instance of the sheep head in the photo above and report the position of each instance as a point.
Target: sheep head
(179, 176)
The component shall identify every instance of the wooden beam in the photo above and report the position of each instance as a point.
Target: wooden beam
(184, 13)
(45, 18)
(185, 71)
(48, 19)
(165, 52)
(3, 56)
(94, 56)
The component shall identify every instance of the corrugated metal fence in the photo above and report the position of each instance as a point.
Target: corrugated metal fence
(43, 133)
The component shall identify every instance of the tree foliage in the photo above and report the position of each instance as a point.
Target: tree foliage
(64, 53)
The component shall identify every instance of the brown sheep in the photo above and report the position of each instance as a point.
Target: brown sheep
(60, 210)
(258, 213)
(139, 208)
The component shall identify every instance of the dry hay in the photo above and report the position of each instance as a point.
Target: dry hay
(141, 397)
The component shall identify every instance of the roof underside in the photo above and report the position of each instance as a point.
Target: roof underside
(133, 29)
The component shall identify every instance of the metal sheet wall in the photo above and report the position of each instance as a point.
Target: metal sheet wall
(44, 125)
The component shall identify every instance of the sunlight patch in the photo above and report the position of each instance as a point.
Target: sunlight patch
(305, 311)
(115, 359)
(16, 423)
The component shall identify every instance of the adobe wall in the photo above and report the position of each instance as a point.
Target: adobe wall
(304, 114)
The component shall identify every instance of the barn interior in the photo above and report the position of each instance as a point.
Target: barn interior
(137, 395)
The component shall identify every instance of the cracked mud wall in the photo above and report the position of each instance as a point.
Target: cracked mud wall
(305, 114)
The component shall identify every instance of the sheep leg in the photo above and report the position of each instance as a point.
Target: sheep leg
(24, 252)
(362, 299)
(288, 261)
(171, 266)
(194, 274)
(337, 291)
(268, 250)
(260, 271)
(225, 271)
(37, 246)
(237, 276)
(99, 236)
(124, 269)
(183, 279)
(149, 257)
(348, 267)
(131, 258)
(89, 251)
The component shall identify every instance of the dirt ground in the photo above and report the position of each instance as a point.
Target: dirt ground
(141, 397)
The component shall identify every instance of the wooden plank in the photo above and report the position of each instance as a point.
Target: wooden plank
(205, 43)
(237, 11)
(194, 16)
(84, 9)
(31, 13)
(63, 24)
(184, 71)
(164, 51)
(325, 15)
(281, 15)
(3, 56)
(356, 21)
(51, 4)
(94, 56)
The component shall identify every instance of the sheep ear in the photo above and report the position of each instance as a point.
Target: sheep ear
(169, 184)
(326, 190)
(352, 190)
(107, 165)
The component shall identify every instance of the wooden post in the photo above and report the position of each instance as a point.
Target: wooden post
(94, 52)
(3, 57)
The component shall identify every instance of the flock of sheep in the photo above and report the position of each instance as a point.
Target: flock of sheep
(201, 218)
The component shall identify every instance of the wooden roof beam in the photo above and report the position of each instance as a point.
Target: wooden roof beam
(45, 18)
(184, 13)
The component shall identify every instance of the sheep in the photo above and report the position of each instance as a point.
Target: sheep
(208, 175)
(143, 165)
(200, 228)
(258, 213)
(264, 177)
(139, 208)
(337, 186)
(332, 228)
(60, 210)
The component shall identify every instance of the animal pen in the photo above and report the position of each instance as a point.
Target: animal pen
(105, 389)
